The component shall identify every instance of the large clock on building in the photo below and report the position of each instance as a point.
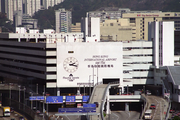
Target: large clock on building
(70, 64)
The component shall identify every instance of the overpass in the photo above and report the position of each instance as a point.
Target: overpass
(125, 98)
(100, 94)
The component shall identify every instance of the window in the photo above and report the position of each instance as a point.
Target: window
(167, 14)
(132, 20)
(111, 24)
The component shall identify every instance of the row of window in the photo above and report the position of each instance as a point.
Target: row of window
(27, 62)
(137, 48)
(138, 63)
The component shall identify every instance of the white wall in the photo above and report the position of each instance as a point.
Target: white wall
(95, 28)
(88, 54)
(168, 43)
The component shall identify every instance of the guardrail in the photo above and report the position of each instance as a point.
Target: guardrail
(169, 107)
(145, 106)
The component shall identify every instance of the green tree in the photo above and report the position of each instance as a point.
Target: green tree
(176, 118)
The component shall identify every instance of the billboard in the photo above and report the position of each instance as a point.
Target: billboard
(85, 64)
(54, 99)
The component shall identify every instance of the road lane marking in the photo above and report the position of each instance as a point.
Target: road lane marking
(116, 116)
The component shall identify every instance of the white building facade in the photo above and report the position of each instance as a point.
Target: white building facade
(91, 28)
(137, 59)
(64, 60)
(162, 33)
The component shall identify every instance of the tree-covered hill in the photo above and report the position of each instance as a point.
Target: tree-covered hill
(46, 18)
(5, 24)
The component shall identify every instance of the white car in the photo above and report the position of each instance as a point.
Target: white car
(148, 92)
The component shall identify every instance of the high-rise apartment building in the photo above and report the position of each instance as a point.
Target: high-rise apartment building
(63, 20)
(11, 6)
(32, 6)
(51, 3)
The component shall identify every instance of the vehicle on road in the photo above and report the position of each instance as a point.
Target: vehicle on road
(153, 106)
(172, 111)
(148, 92)
(21, 118)
(6, 111)
(148, 114)
(97, 104)
(12, 109)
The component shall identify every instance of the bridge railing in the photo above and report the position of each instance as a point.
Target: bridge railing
(169, 107)
(104, 97)
(145, 106)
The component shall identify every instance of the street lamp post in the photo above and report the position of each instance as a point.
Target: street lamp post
(36, 88)
(10, 94)
(97, 74)
(37, 94)
(19, 96)
(31, 100)
(84, 89)
(43, 104)
(24, 97)
(89, 85)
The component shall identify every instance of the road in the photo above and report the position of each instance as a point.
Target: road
(161, 106)
(124, 115)
(14, 115)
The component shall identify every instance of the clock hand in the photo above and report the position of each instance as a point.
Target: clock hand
(72, 64)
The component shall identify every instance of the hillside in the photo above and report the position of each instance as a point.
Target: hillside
(5, 24)
(79, 8)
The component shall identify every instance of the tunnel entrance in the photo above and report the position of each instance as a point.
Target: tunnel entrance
(108, 80)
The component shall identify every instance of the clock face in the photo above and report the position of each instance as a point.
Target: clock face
(70, 64)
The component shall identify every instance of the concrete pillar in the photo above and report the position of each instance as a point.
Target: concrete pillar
(126, 106)
(122, 89)
(107, 105)
(36, 39)
(19, 39)
(58, 92)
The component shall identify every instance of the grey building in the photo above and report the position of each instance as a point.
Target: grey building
(24, 20)
(108, 13)
(63, 20)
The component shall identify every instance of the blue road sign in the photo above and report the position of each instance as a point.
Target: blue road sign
(54, 99)
(76, 110)
(70, 98)
(85, 98)
(39, 97)
(89, 105)
(36, 98)
(32, 98)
